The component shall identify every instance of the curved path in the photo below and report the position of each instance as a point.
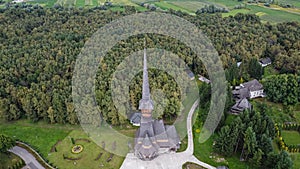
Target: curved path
(29, 159)
(172, 160)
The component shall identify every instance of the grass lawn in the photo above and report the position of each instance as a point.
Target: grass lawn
(296, 160)
(88, 155)
(272, 15)
(291, 137)
(40, 135)
(224, 3)
(270, 70)
(8, 160)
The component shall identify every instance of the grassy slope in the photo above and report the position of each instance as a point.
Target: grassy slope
(40, 135)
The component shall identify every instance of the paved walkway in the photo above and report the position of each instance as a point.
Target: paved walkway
(30, 161)
(172, 160)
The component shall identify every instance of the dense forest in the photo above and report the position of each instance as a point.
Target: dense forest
(39, 46)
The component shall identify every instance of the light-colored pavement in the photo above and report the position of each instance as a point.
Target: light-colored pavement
(29, 159)
(172, 160)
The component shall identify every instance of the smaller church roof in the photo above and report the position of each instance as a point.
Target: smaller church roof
(172, 134)
(241, 93)
(265, 61)
(135, 118)
(190, 73)
(240, 106)
(147, 149)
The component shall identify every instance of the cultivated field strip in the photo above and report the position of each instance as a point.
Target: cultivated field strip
(88, 3)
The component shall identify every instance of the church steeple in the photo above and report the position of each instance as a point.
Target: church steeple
(145, 104)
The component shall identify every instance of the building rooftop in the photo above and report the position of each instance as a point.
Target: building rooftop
(240, 106)
(265, 61)
(252, 85)
(152, 135)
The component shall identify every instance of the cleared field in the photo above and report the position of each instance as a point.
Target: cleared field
(225, 3)
(291, 137)
(41, 135)
(189, 5)
(168, 5)
(272, 15)
(80, 3)
(44, 3)
(266, 14)
(236, 11)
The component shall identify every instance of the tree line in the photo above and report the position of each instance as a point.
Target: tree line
(39, 47)
(250, 135)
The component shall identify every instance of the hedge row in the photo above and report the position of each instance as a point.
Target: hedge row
(280, 141)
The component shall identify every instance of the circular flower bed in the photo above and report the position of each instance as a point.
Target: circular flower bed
(77, 149)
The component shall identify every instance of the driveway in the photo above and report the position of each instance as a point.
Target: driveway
(172, 160)
(30, 161)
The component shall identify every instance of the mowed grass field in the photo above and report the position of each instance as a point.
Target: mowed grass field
(88, 157)
(291, 137)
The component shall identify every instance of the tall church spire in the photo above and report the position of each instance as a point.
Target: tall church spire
(145, 103)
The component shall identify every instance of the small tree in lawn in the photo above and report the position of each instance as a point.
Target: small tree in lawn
(72, 140)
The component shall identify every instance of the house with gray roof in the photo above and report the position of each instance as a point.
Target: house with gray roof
(265, 61)
(153, 137)
(251, 89)
(190, 74)
(204, 79)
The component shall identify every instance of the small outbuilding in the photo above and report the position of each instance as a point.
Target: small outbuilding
(240, 106)
(190, 74)
(135, 118)
(265, 61)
